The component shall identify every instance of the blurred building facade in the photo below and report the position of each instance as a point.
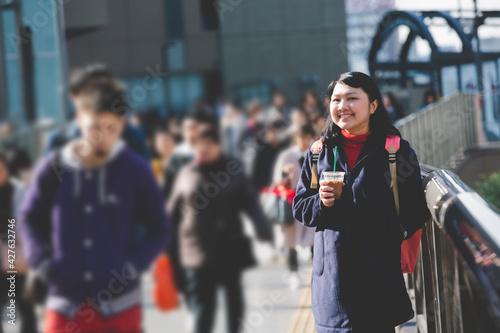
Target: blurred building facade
(250, 49)
(129, 37)
(363, 18)
(32, 60)
(291, 46)
(193, 52)
(168, 52)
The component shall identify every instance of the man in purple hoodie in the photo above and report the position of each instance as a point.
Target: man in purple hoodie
(81, 217)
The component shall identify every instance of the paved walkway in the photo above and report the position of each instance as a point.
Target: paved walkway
(270, 303)
(271, 306)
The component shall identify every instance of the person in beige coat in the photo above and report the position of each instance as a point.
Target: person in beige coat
(207, 200)
(287, 171)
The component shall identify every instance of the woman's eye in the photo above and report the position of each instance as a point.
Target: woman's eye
(335, 100)
(351, 98)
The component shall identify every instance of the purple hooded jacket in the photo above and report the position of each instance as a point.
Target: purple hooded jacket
(91, 232)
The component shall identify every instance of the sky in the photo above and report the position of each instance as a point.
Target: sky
(443, 35)
(446, 4)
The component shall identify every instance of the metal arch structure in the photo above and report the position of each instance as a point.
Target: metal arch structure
(415, 22)
(389, 23)
(481, 20)
(478, 22)
(455, 25)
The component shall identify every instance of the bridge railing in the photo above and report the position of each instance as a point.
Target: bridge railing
(443, 130)
(457, 277)
(33, 137)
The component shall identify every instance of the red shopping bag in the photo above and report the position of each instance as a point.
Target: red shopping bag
(283, 191)
(409, 252)
(164, 291)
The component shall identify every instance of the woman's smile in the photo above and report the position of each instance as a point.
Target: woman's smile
(344, 116)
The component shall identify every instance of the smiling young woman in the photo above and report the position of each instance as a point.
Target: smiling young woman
(357, 283)
(350, 109)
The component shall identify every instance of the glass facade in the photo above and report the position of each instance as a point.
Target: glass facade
(172, 95)
(14, 103)
(183, 90)
(44, 69)
(144, 95)
(261, 91)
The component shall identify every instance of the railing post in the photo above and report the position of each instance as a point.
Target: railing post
(436, 306)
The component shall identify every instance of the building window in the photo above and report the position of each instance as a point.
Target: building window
(245, 93)
(176, 57)
(209, 16)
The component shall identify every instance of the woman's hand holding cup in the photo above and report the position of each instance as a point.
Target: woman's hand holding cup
(326, 193)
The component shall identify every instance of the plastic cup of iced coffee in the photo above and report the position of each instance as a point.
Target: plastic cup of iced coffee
(334, 179)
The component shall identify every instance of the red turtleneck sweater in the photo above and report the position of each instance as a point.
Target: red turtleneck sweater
(352, 146)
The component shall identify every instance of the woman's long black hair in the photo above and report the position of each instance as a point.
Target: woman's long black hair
(380, 124)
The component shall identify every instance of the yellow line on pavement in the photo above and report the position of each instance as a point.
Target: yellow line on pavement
(303, 320)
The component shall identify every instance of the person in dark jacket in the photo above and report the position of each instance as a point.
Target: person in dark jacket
(80, 219)
(393, 107)
(11, 195)
(17, 157)
(208, 196)
(357, 284)
(250, 140)
(183, 154)
(268, 148)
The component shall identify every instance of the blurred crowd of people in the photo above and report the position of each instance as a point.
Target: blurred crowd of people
(209, 166)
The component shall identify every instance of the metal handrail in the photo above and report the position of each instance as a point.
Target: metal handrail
(441, 131)
(457, 278)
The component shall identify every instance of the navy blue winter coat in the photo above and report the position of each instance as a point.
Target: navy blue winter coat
(357, 284)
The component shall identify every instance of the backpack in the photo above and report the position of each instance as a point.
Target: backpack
(410, 247)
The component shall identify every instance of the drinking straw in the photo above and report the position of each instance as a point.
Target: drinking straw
(335, 160)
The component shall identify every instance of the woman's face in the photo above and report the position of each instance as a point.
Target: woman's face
(4, 174)
(350, 109)
(164, 143)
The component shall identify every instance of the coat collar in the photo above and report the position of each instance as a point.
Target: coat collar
(71, 159)
(373, 142)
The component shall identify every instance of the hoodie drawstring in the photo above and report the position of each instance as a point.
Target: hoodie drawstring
(76, 189)
(102, 184)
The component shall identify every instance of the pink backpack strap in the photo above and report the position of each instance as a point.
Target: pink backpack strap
(316, 148)
(392, 141)
(392, 146)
